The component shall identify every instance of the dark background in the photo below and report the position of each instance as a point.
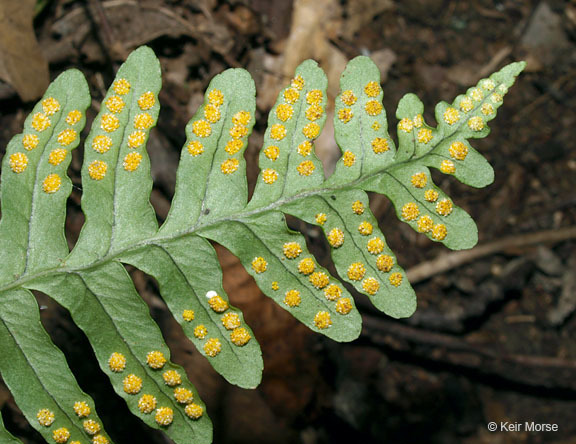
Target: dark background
(492, 339)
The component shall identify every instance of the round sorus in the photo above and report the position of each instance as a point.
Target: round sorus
(358, 207)
(193, 411)
(117, 362)
(332, 292)
(240, 337)
(183, 395)
(320, 218)
(304, 148)
(82, 409)
(19, 162)
(272, 152)
(97, 169)
(314, 97)
(212, 347)
(447, 167)
(395, 279)
(215, 97)
(356, 271)
(384, 263)
(373, 107)
(451, 116)
(291, 95)
(284, 112)
(91, 427)
(172, 378)
(164, 416)
(132, 161)
(146, 100)
(297, 82)
(100, 439)
(218, 304)
(101, 144)
(188, 315)
(195, 148)
(345, 115)
(115, 104)
(380, 145)
(57, 156)
(200, 331)
(292, 250)
(230, 321)
(311, 131)
(410, 211)
(51, 184)
(458, 150)
(439, 232)
(375, 245)
(233, 146)
(431, 195)
(147, 403)
(155, 359)
(344, 306)
(306, 168)
(61, 435)
(466, 104)
(372, 89)
(476, 123)
(278, 131)
(259, 264)
(424, 135)
(201, 128)
(425, 224)
(365, 228)
(67, 136)
(212, 113)
(121, 86)
(370, 285)
(269, 176)
(314, 112)
(306, 266)
(73, 117)
(348, 158)
(406, 125)
(241, 118)
(419, 180)
(143, 121)
(444, 207)
(335, 237)
(50, 106)
(292, 298)
(45, 417)
(229, 166)
(40, 122)
(132, 384)
(319, 279)
(322, 320)
(30, 141)
(348, 98)
(109, 123)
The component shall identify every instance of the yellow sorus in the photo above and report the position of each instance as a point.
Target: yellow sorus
(195, 148)
(319, 279)
(284, 112)
(466, 104)
(278, 131)
(40, 122)
(487, 109)
(375, 245)
(439, 232)
(259, 264)
(344, 306)
(229, 166)
(304, 148)
(215, 97)
(109, 123)
(212, 347)
(57, 156)
(19, 162)
(314, 97)
(82, 409)
(349, 158)
(419, 180)
(306, 168)
(233, 146)
(272, 152)
(30, 141)
(212, 113)
(172, 377)
(291, 95)
(297, 82)
(269, 176)
(418, 121)
(200, 331)
(424, 135)
(425, 224)
(241, 118)
(101, 144)
(410, 211)
(50, 106)
(132, 161)
(320, 218)
(370, 286)
(115, 104)
(488, 84)
(52, 183)
(292, 298)
(356, 271)
(476, 123)
(332, 292)
(322, 320)
(45, 417)
(380, 145)
(358, 207)
(345, 115)
(431, 195)
(121, 86)
(395, 279)
(183, 395)
(376, 126)
(67, 136)
(132, 384)
(306, 266)
(201, 128)
(147, 403)
(372, 89)
(373, 107)
(164, 416)
(147, 100)
(193, 411)
(292, 250)
(406, 125)
(496, 98)
(477, 94)
(136, 139)
(275, 286)
(61, 435)
(97, 169)
(458, 150)
(384, 263)
(348, 98)
(218, 304)
(335, 237)
(188, 315)
(240, 337)
(91, 427)
(99, 439)
(117, 362)
(143, 121)
(451, 116)
(447, 167)
(314, 112)
(444, 207)
(230, 321)
(365, 228)
(155, 359)
(311, 131)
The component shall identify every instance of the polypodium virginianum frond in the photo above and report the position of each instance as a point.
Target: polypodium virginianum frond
(211, 203)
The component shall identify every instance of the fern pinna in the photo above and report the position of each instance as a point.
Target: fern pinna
(211, 204)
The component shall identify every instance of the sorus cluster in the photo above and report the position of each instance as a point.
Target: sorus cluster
(238, 132)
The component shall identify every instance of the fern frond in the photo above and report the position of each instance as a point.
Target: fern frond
(211, 204)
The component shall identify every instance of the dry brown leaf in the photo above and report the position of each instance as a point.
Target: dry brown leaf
(22, 64)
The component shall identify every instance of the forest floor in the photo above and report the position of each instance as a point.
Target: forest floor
(493, 336)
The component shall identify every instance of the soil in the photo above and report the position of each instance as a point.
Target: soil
(492, 339)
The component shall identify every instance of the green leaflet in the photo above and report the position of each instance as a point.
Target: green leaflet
(5, 436)
(210, 204)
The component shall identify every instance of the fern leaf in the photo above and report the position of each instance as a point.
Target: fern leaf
(6, 436)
